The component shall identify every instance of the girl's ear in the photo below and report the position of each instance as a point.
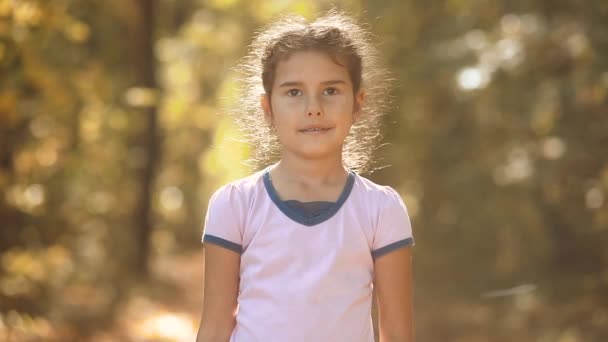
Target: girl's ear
(265, 103)
(359, 103)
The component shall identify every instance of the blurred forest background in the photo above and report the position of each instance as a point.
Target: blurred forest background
(113, 136)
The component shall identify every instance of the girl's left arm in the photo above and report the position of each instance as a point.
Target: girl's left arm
(393, 287)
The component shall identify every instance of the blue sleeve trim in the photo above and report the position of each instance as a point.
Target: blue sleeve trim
(223, 243)
(393, 246)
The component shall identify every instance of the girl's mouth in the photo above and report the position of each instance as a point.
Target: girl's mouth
(317, 130)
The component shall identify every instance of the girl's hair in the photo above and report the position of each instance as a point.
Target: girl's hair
(348, 44)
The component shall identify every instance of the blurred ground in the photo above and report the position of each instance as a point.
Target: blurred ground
(166, 309)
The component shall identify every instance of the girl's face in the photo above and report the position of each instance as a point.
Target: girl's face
(312, 105)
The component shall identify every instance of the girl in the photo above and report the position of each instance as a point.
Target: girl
(294, 251)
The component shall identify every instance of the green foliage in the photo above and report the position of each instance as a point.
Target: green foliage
(498, 144)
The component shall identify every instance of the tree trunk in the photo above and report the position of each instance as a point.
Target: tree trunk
(143, 66)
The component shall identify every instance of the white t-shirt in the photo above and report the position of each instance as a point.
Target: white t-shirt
(306, 278)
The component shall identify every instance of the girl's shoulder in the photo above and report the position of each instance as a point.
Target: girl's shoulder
(240, 188)
(375, 191)
(386, 204)
(377, 198)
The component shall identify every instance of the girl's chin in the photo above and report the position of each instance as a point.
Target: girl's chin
(311, 152)
(319, 146)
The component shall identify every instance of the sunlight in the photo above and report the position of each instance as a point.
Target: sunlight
(166, 325)
(412, 202)
(179, 72)
(510, 25)
(487, 119)
(91, 122)
(510, 52)
(224, 159)
(476, 40)
(141, 96)
(34, 195)
(518, 167)
(577, 44)
(47, 155)
(471, 78)
(171, 198)
(77, 31)
(553, 148)
(41, 126)
(222, 4)
(27, 13)
(594, 198)
(100, 202)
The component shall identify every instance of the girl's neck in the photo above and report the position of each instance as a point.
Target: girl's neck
(311, 172)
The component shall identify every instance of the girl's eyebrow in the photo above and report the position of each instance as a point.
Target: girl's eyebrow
(296, 84)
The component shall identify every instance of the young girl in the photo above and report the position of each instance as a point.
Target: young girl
(294, 251)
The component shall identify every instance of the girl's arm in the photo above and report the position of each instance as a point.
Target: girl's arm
(393, 287)
(221, 288)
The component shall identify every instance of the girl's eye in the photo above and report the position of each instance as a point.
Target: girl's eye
(293, 92)
(330, 91)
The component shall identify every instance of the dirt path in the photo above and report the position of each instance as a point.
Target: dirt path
(165, 310)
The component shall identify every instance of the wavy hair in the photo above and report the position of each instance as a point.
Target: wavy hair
(338, 35)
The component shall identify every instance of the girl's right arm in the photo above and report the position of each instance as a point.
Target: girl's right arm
(221, 288)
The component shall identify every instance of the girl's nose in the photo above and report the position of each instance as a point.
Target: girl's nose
(314, 107)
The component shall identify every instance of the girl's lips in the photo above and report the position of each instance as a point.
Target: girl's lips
(315, 131)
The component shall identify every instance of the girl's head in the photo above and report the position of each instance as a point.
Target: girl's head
(328, 38)
(319, 74)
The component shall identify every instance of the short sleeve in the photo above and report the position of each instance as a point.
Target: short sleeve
(222, 225)
(394, 229)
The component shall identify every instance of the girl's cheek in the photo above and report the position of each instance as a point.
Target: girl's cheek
(282, 101)
(290, 99)
(289, 106)
(337, 100)
(295, 102)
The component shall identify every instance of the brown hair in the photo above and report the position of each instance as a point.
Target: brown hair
(328, 39)
(348, 44)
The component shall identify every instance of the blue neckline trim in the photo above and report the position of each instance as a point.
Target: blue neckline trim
(295, 214)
